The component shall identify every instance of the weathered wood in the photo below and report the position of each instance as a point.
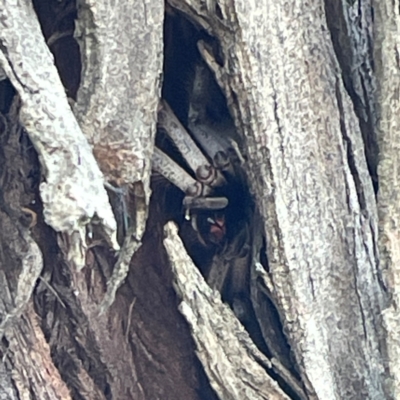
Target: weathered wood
(352, 32)
(388, 75)
(67, 161)
(236, 368)
(27, 361)
(307, 169)
(300, 86)
(117, 103)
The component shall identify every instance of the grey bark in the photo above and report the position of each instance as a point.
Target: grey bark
(66, 158)
(300, 85)
(315, 195)
(387, 70)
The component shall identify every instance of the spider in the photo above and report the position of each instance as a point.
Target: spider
(216, 201)
(198, 152)
(213, 185)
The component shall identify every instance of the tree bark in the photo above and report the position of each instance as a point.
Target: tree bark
(99, 298)
(387, 71)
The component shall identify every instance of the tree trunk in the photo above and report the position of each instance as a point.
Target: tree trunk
(99, 297)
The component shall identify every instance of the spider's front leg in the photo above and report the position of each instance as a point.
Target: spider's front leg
(208, 177)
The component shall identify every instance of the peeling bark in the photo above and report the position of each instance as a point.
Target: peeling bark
(80, 320)
(232, 362)
(315, 193)
(67, 161)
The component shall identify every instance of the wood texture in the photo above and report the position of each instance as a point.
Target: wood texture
(388, 75)
(67, 160)
(308, 171)
(299, 81)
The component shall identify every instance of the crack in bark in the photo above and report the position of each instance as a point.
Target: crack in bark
(350, 153)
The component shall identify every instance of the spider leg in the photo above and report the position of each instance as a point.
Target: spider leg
(218, 143)
(198, 162)
(217, 138)
(177, 175)
(205, 203)
(195, 191)
(209, 139)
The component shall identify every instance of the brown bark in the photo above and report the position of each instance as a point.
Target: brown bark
(299, 82)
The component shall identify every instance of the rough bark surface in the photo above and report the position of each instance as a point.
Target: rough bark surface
(117, 105)
(64, 153)
(315, 193)
(236, 368)
(298, 78)
(388, 74)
